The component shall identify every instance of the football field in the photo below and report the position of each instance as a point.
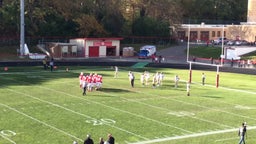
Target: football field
(43, 107)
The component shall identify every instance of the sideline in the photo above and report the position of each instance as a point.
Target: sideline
(191, 136)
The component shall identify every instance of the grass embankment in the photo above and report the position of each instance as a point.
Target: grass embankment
(214, 52)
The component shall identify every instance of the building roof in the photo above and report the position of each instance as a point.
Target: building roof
(104, 38)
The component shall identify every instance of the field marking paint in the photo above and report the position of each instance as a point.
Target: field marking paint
(56, 105)
(226, 88)
(5, 137)
(191, 136)
(200, 106)
(159, 122)
(41, 122)
(101, 121)
(156, 107)
(7, 133)
(227, 139)
(243, 107)
(148, 118)
(123, 111)
(234, 114)
(238, 90)
(174, 113)
(208, 121)
(168, 109)
(242, 91)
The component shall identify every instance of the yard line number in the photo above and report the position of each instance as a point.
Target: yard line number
(181, 113)
(7, 133)
(101, 121)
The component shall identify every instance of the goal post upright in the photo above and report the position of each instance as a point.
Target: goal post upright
(190, 64)
(217, 77)
(190, 72)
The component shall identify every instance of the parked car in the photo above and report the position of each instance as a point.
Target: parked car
(241, 42)
(218, 41)
(231, 42)
(147, 51)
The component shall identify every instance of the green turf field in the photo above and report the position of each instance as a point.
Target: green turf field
(43, 107)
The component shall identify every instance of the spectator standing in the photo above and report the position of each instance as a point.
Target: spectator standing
(160, 59)
(111, 139)
(232, 62)
(153, 57)
(45, 63)
(101, 141)
(52, 64)
(242, 133)
(211, 59)
(203, 78)
(88, 140)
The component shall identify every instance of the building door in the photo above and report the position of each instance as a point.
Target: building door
(93, 51)
(193, 36)
(204, 36)
(111, 51)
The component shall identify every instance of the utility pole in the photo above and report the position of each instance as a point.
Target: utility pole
(22, 29)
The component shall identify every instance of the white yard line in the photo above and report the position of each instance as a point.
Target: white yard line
(56, 105)
(165, 109)
(191, 136)
(156, 107)
(227, 139)
(230, 89)
(13, 142)
(168, 109)
(243, 91)
(116, 109)
(234, 114)
(41, 122)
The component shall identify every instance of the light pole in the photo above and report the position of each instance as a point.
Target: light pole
(22, 29)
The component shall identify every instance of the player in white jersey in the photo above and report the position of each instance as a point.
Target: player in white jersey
(147, 77)
(154, 81)
(188, 88)
(116, 72)
(176, 81)
(161, 78)
(142, 79)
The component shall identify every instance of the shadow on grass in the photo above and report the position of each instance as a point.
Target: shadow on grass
(214, 97)
(113, 90)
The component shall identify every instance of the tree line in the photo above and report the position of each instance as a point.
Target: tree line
(112, 18)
